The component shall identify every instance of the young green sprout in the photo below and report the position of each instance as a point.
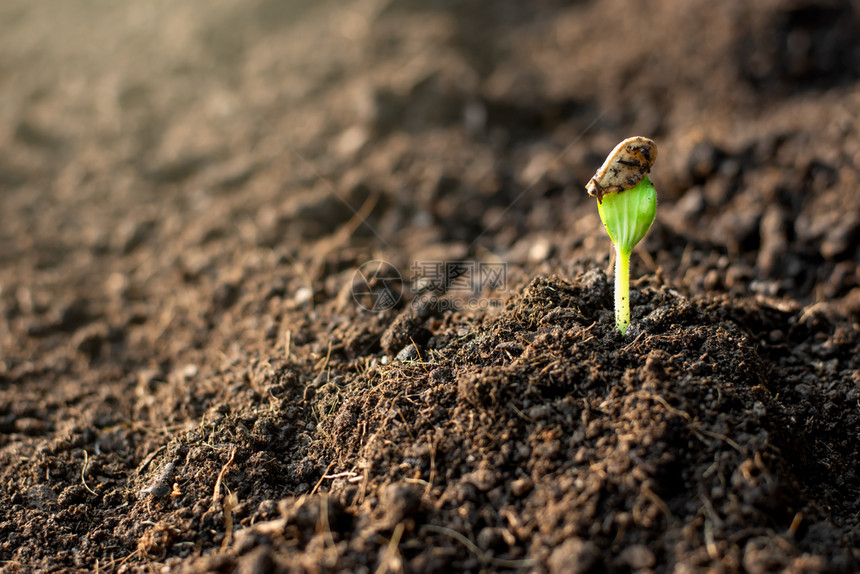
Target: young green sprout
(627, 204)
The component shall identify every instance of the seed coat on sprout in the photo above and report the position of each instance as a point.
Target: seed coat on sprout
(625, 166)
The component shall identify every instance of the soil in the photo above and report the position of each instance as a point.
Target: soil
(201, 369)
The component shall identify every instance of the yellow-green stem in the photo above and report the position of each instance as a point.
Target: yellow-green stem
(622, 289)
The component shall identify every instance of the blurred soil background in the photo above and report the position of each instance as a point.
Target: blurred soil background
(187, 383)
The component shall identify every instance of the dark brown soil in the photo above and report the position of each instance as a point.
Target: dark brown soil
(188, 383)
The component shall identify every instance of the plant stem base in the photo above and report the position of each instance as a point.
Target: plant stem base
(622, 289)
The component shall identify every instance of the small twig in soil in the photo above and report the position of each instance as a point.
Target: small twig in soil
(320, 481)
(521, 414)
(655, 498)
(795, 524)
(711, 518)
(84, 472)
(391, 552)
(710, 544)
(227, 506)
(216, 495)
(418, 481)
(347, 474)
(549, 366)
(227, 503)
(633, 342)
(809, 311)
(672, 410)
(420, 358)
(363, 492)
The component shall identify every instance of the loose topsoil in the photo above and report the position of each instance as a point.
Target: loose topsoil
(202, 370)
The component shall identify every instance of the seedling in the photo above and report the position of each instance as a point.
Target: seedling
(627, 203)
